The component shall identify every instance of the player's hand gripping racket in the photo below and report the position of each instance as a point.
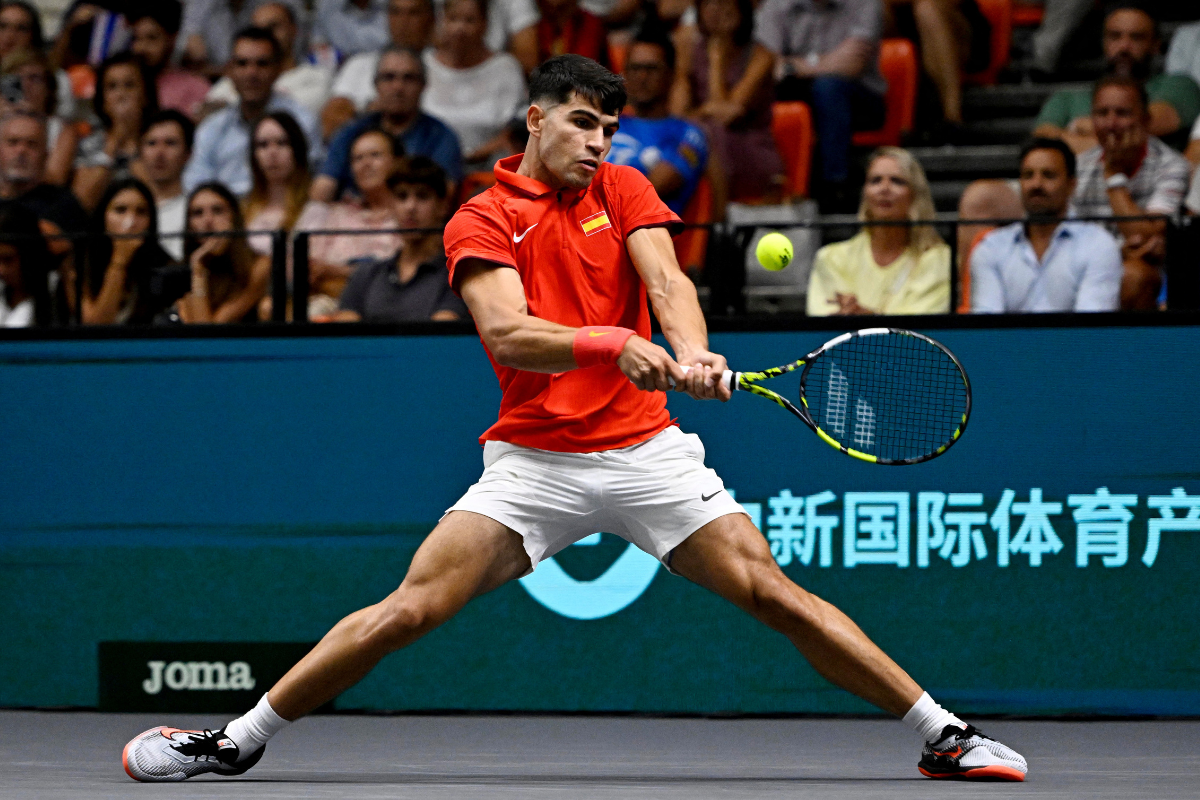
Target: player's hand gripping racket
(884, 395)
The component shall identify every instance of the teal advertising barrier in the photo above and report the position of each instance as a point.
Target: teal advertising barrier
(158, 494)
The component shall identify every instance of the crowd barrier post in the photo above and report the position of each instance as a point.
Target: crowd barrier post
(300, 277)
(279, 281)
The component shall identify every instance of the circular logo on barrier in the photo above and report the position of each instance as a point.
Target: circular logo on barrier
(622, 583)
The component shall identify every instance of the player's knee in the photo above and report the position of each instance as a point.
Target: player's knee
(398, 622)
(781, 604)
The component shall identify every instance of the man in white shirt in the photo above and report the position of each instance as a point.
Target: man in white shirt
(163, 151)
(222, 147)
(308, 84)
(1047, 263)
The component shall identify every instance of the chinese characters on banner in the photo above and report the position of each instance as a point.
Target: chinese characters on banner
(877, 527)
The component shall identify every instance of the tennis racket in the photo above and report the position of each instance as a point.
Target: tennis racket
(883, 395)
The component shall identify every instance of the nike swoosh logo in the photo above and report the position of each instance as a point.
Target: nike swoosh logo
(602, 333)
(517, 239)
(704, 499)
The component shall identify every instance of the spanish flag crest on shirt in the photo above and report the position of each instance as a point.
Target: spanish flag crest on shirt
(595, 223)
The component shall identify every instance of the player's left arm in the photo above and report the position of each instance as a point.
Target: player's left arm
(673, 297)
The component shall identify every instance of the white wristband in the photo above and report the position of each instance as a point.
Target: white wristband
(1118, 180)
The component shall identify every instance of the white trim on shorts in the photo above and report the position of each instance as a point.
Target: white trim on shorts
(654, 494)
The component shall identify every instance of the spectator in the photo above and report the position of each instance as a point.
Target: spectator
(1130, 173)
(886, 269)
(210, 31)
(400, 81)
(670, 151)
(21, 29)
(279, 166)
(34, 87)
(228, 280)
(828, 56)
(125, 98)
(22, 178)
(472, 89)
(24, 285)
(723, 79)
(413, 284)
(1048, 263)
(511, 27)
(223, 139)
(307, 84)
(124, 280)
(567, 28)
(954, 37)
(91, 32)
(351, 26)
(410, 23)
(166, 146)
(1130, 44)
(1183, 56)
(155, 29)
(373, 157)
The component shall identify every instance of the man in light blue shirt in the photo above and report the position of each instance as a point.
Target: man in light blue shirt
(222, 147)
(1048, 263)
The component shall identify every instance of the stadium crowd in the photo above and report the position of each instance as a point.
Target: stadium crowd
(159, 146)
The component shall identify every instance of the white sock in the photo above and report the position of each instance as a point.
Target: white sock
(928, 718)
(252, 730)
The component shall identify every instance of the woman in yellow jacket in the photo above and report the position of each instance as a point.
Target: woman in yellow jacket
(886, 269)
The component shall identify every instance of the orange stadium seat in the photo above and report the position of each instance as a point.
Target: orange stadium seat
(691, 245)
(1000, 14)
(791, 123)
(1027, 15)
(617, 51)
(898, 64)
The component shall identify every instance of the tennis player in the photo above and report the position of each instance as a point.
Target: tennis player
(556, 263)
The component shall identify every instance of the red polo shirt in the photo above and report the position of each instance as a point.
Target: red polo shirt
(569, 249)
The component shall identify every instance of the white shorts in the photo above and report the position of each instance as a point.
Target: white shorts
(654, 494)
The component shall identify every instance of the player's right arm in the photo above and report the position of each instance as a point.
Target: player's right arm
(496, 299)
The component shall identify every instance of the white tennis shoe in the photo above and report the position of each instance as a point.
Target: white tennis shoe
(171, 754)
(967, 754)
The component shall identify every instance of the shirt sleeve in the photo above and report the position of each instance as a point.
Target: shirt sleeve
(638, 204)
(354, 296)
(472, 233)
(520, 15)
(1170, 185)
(1182, 94)
(1184, 43)
(1100, 288)
(769, 26)
(1055, 111)
(987, 289)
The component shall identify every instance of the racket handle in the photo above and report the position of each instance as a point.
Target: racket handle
(726, 378)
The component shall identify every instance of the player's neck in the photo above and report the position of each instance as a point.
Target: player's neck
(532, 166)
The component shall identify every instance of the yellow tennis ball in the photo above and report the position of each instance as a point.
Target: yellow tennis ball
(774, 251)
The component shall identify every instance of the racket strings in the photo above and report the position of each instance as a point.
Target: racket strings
(895, 396)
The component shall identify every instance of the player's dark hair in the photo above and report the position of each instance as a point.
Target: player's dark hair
(1046, 143)
(556, 79)
(653, 35)
(149, 86)
(420, 171)
(256, 34)
(167, 13)
(162, 117)
(1125, 82)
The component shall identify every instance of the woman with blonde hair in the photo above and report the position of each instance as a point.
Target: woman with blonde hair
(892, 268)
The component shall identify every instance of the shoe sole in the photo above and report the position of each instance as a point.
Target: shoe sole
(992, 772)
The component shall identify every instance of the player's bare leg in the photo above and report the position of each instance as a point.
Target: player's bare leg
(729, 557)
(466, 555)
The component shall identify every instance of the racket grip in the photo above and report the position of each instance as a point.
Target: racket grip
(726, 378)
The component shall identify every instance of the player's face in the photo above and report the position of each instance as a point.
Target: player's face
(887, 190)
(1045, 187)
(573, 138)
(1118, 117)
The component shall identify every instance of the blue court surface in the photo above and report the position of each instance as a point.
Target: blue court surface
(77, 755)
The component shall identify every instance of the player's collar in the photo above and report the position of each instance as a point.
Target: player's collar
(506, 172)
